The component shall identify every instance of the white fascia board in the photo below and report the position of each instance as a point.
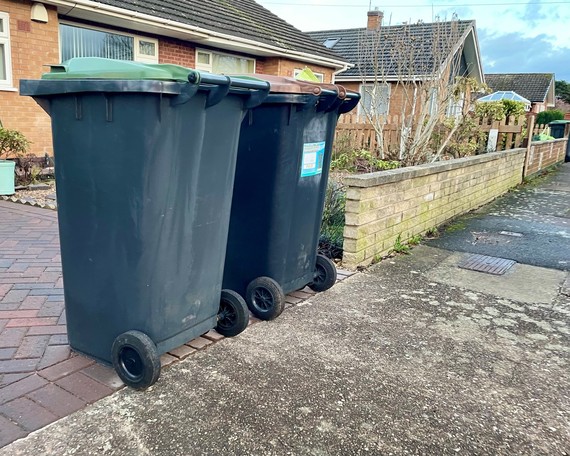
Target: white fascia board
(120, 17)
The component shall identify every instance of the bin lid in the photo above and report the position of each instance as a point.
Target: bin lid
(282, 84)
(100, 68)
(559, 122)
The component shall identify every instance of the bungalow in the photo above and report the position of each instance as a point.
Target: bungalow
(390, 62)
(235, 36)
(538, 88)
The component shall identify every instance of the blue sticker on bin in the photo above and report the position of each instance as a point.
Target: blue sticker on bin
(313, 156)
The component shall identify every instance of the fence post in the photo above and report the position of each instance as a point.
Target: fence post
(493, 137)
(530, 123)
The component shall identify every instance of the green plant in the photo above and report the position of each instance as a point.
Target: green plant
(13, 144)
(545, 117)
(361, 161)
(332, 226)
(433, 232)
(468, 138)
(400, 247)
(415, 240)
(499, 110)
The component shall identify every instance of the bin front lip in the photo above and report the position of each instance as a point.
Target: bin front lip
(46, 87)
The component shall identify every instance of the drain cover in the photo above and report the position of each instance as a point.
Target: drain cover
(488, 264)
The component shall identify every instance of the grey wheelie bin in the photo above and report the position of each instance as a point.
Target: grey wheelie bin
(145, 160)
(282, 170)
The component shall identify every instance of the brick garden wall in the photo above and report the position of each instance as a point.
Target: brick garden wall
(543, 154)
(409, 201)
(33, 45)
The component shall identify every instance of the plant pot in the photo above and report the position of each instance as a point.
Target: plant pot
(7, 177)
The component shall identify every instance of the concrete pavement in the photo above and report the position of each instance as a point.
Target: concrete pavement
(412, 356)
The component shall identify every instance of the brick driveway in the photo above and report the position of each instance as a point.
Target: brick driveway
(41, 379)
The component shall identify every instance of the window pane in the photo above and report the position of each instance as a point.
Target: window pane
(228, 64)
(82, 42)
(147, 48)
(203, 58)
(1, 25)
(2, 63)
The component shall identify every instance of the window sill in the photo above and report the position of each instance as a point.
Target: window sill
(8, 89)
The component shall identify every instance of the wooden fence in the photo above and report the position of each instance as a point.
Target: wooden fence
(356, 132)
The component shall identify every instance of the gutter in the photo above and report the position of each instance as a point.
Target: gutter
(178, 29)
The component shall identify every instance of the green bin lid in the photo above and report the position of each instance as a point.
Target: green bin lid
(559, 122)
(99, 68)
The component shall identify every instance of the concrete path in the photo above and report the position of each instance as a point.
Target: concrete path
(413, 356)
(530, 225)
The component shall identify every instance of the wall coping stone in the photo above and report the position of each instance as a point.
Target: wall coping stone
(396, 175)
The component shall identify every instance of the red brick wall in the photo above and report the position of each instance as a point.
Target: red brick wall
(176, 52)
(30, 51)
(278, 66)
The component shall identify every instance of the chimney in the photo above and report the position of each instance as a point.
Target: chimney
(374, 19)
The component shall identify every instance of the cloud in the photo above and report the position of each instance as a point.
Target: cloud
(512, 53)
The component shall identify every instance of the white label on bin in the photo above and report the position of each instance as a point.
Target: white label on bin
(313, 156)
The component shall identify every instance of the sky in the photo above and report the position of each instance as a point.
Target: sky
(525, 36)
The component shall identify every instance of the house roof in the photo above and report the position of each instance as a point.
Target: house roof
(429, 42)
(532, 86)
(504, 95)
(229, 24)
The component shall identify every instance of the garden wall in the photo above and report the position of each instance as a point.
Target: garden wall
(409, 201)
(543, 154)
(405, 202)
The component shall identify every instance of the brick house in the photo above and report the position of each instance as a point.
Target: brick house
(538, 88)
(393, 59)
(236, 36)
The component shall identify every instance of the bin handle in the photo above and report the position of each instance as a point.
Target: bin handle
(326, 104)
(349, 103)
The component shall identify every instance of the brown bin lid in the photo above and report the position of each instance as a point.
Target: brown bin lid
(282, 84)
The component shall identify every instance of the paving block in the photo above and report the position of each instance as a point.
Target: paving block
(199, 343)
(64, 368)
(84, 387)
(28, 414)
(182, 352)
(9, 431)
(21, 387)
(57, 400)
(103, 374)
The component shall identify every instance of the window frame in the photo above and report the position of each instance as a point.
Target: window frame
(210, 53)
(361, 110)
(296, 72)
(6, 84)
(137, 56)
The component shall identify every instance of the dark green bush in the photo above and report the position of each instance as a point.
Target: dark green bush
(545, 117)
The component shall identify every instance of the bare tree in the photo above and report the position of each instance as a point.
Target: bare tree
(418, 68)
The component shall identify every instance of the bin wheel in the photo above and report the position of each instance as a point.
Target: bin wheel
(325, 274)
(136, 360)
(233, 316)
(265, 298)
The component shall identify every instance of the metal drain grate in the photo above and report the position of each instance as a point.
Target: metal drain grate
(488, 264)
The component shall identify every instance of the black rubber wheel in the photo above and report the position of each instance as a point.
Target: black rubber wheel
(136, 359)
(233, 316)
(325, 274)
(265, 298)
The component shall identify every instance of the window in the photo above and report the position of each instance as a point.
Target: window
(320, 76)
(330, 42)
(87, 42)
(375, 99)
(455, 106)
(215, 62)
(5, 53)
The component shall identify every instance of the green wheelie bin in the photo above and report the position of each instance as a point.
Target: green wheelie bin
(145, 160)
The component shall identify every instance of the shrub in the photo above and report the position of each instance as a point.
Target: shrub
(332, 226)
(13, 144)
(545, 117)
(361, 161)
